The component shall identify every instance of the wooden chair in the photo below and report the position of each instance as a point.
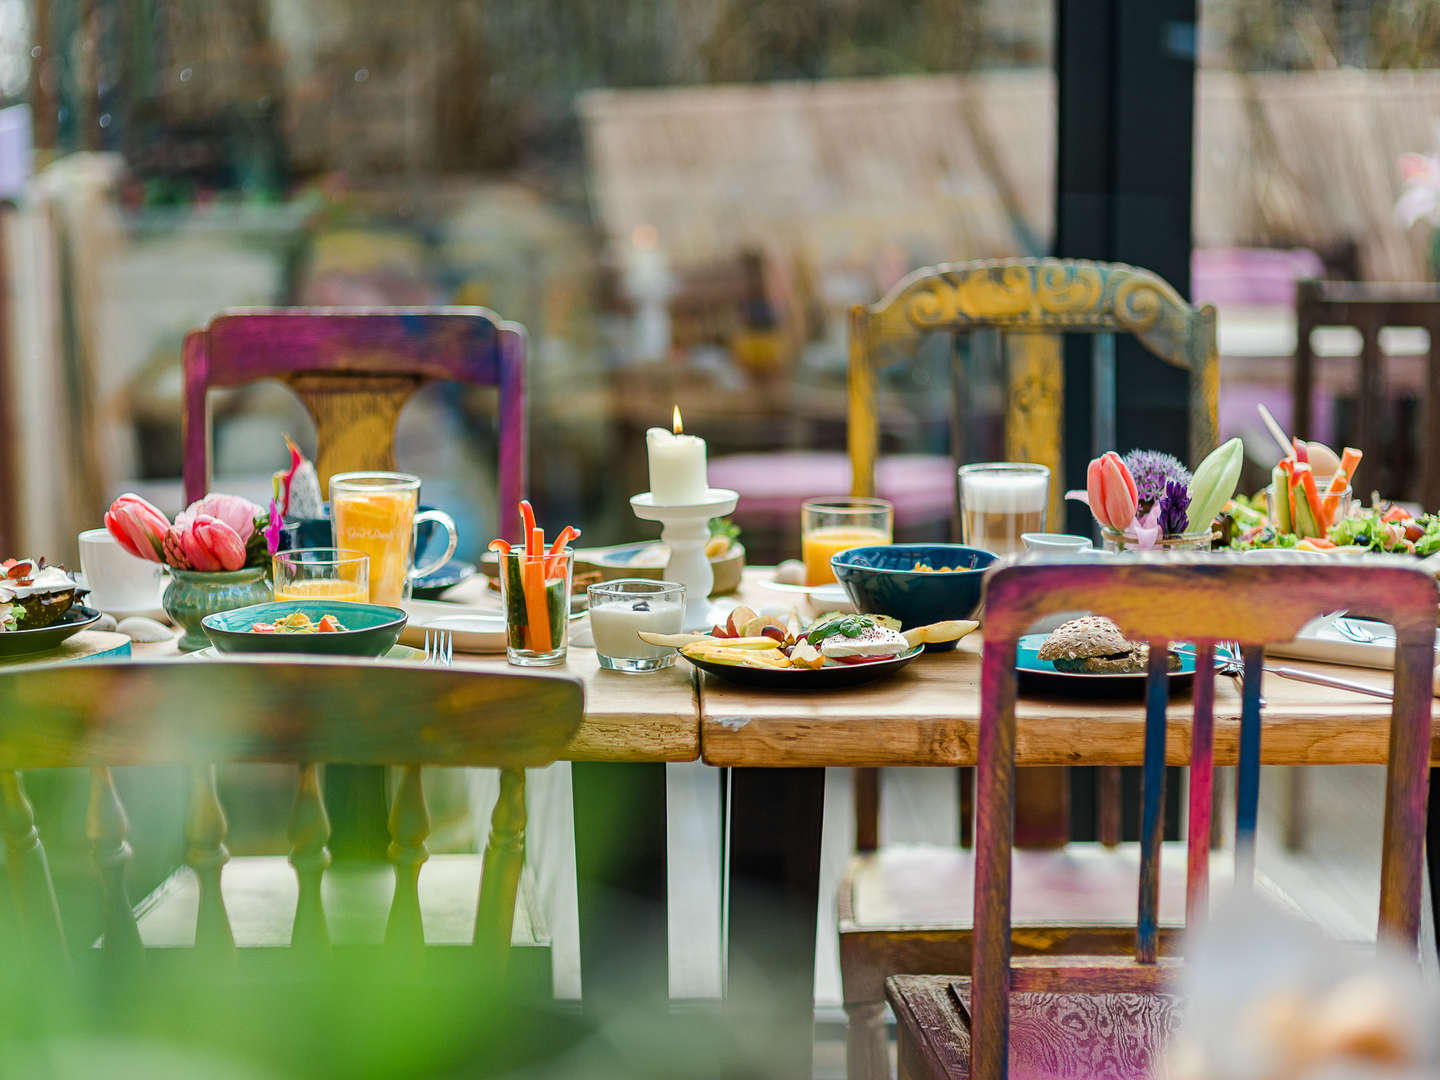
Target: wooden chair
(961, 1026)
(304, 713)
(896, 906)
(354, 369)
(1371, 308)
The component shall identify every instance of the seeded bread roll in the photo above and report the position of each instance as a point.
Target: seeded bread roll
(1094, 645)
(1086, 638)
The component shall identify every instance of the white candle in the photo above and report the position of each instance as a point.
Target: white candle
(677, 466)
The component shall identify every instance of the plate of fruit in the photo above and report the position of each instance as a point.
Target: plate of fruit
(835, 650)
(38, 608)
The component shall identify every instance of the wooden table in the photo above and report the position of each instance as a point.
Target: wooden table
(776, 747)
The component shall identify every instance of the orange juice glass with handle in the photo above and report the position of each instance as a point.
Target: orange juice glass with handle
(832, 525)
(328, 574)
(375, 513)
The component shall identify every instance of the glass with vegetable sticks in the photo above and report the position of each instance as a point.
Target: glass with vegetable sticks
(535, 589)
(620, 609)
(321, 574)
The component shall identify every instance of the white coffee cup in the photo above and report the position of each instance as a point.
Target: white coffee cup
(1055, 543)
(118, 581)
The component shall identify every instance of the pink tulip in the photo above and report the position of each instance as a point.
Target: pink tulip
(238, 513)
(1111, 490)
(138, 526)
(210, 544)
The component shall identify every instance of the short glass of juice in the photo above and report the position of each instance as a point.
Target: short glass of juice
(329, 574)
(837, 523)
(535, 590)
(620, 609)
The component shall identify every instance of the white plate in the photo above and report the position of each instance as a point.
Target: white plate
(475, 630)
(1320, 640)
(824, 597)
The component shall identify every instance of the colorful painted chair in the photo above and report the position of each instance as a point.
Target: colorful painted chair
(899, 907)
(1119, 1007)
(354, 369)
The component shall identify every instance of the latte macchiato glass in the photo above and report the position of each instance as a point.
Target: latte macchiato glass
(1000, 501)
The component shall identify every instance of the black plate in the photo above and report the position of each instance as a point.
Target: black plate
(448, 576)
(826, 678)
(17, 642)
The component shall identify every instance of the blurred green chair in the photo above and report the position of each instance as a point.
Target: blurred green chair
(306, 713)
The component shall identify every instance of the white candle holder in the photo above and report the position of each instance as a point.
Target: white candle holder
(686, 530)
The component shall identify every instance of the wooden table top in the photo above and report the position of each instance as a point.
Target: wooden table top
(926, 714)
(627, 717)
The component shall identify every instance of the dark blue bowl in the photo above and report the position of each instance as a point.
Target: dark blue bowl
(884, 581)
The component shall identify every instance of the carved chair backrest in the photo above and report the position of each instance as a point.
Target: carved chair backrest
(304, 713)
(1200, 599)
(354, 369)
(1023, 306)
(1370, 308)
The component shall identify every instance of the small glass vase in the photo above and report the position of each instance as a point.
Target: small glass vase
(1114, 540)
(193, 594)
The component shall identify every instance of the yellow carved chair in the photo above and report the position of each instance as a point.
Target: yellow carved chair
(897, 909)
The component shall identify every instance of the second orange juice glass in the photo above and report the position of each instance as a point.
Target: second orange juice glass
(830, 526)
(375, 513)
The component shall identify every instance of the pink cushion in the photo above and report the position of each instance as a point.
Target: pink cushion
(773, 486)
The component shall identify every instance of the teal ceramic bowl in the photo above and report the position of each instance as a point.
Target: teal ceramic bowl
(370, 629)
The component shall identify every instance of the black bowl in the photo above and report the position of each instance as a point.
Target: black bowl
(883, 581)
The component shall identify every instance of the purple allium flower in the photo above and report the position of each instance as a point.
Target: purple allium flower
(1173, 506)
(1152, 470)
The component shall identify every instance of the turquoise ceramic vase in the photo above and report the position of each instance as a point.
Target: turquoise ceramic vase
(193, 594)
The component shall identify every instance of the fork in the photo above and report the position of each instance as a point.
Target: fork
(1349, 628)
(439, 648)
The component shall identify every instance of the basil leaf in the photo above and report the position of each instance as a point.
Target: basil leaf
(844, 625)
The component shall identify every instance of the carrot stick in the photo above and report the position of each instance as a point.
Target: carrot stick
(552, 564)
(1350, 461)
(1338, 483)
(537, 610)
(527, 518)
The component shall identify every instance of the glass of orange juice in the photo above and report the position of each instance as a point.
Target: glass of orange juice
(322, 574)
(831, 525)
(375, 513)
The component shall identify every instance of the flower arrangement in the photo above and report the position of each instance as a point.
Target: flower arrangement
(1150, 499)
(1420, 201)
(219, 532)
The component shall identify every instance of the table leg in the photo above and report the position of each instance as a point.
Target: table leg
(620, 872)
(359, 812)
(774, 892)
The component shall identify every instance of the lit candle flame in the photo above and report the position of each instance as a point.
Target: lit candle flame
(675, 424)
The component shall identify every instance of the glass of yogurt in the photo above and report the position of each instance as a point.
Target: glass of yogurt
(620, 609)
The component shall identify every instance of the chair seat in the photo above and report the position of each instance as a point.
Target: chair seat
(260, 894)
(926, 885)
(1062, 1035)
(772, 487)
